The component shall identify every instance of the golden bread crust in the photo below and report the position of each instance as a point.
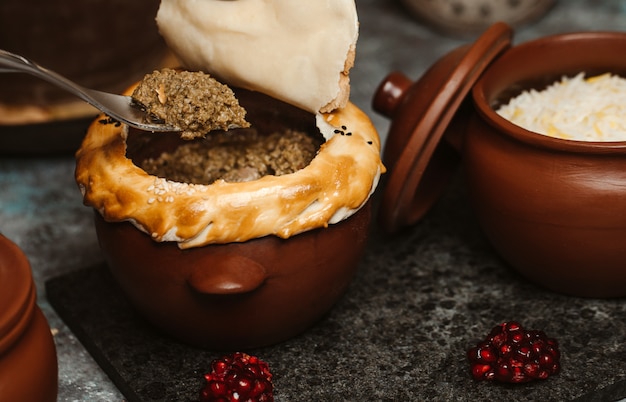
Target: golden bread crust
(336, 184)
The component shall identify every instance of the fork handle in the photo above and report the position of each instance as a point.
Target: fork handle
(14, 63)
(118, 107)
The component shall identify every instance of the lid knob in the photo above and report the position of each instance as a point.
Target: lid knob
(390, 93)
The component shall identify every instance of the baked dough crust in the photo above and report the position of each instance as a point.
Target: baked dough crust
(336, 184)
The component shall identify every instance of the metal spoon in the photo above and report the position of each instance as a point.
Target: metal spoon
(119, 107)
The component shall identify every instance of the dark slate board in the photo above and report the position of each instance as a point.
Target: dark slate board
(419, 300)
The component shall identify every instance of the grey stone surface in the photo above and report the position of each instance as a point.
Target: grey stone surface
(419, 301)
(417, 288)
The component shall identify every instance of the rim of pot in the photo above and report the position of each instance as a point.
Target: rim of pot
(541, 62)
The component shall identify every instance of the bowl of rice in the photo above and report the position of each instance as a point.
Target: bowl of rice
(545, 158)
(540, 131)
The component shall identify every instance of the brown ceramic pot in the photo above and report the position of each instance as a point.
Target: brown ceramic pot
(553, 208)
(241, 293)
(28, 361)
(235, 295)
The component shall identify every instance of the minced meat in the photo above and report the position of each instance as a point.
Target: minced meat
(235, 156)
(194, 102)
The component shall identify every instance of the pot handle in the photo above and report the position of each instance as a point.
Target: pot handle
(233, 274)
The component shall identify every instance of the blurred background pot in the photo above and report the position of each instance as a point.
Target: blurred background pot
(62, 35)
(39, 118)
(28, 360)
(469, 17)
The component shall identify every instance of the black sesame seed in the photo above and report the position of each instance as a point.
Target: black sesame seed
(109, 120)
(370, 142)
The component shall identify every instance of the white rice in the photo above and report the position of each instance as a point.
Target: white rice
(591, 109)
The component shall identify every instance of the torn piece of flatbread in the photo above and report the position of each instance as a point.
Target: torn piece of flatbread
(298, 52)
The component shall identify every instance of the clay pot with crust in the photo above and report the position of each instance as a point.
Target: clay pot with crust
(241, 265)
(235, 295)
(552, 208)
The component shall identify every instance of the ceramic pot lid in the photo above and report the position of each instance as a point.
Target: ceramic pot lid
(17, 292)
(420, 164)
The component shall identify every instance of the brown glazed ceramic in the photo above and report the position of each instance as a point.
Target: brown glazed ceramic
(28, 361)
(235, 295)
(553, 208)
(550, 207)
(423, 113)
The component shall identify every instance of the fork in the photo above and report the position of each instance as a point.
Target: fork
(119, 107)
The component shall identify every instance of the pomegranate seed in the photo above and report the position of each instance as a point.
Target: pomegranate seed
(480, 370)
(238, 377)
(512, 354)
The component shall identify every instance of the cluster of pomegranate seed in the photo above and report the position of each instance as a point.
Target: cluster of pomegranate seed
(512, 354)
(238, 377)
